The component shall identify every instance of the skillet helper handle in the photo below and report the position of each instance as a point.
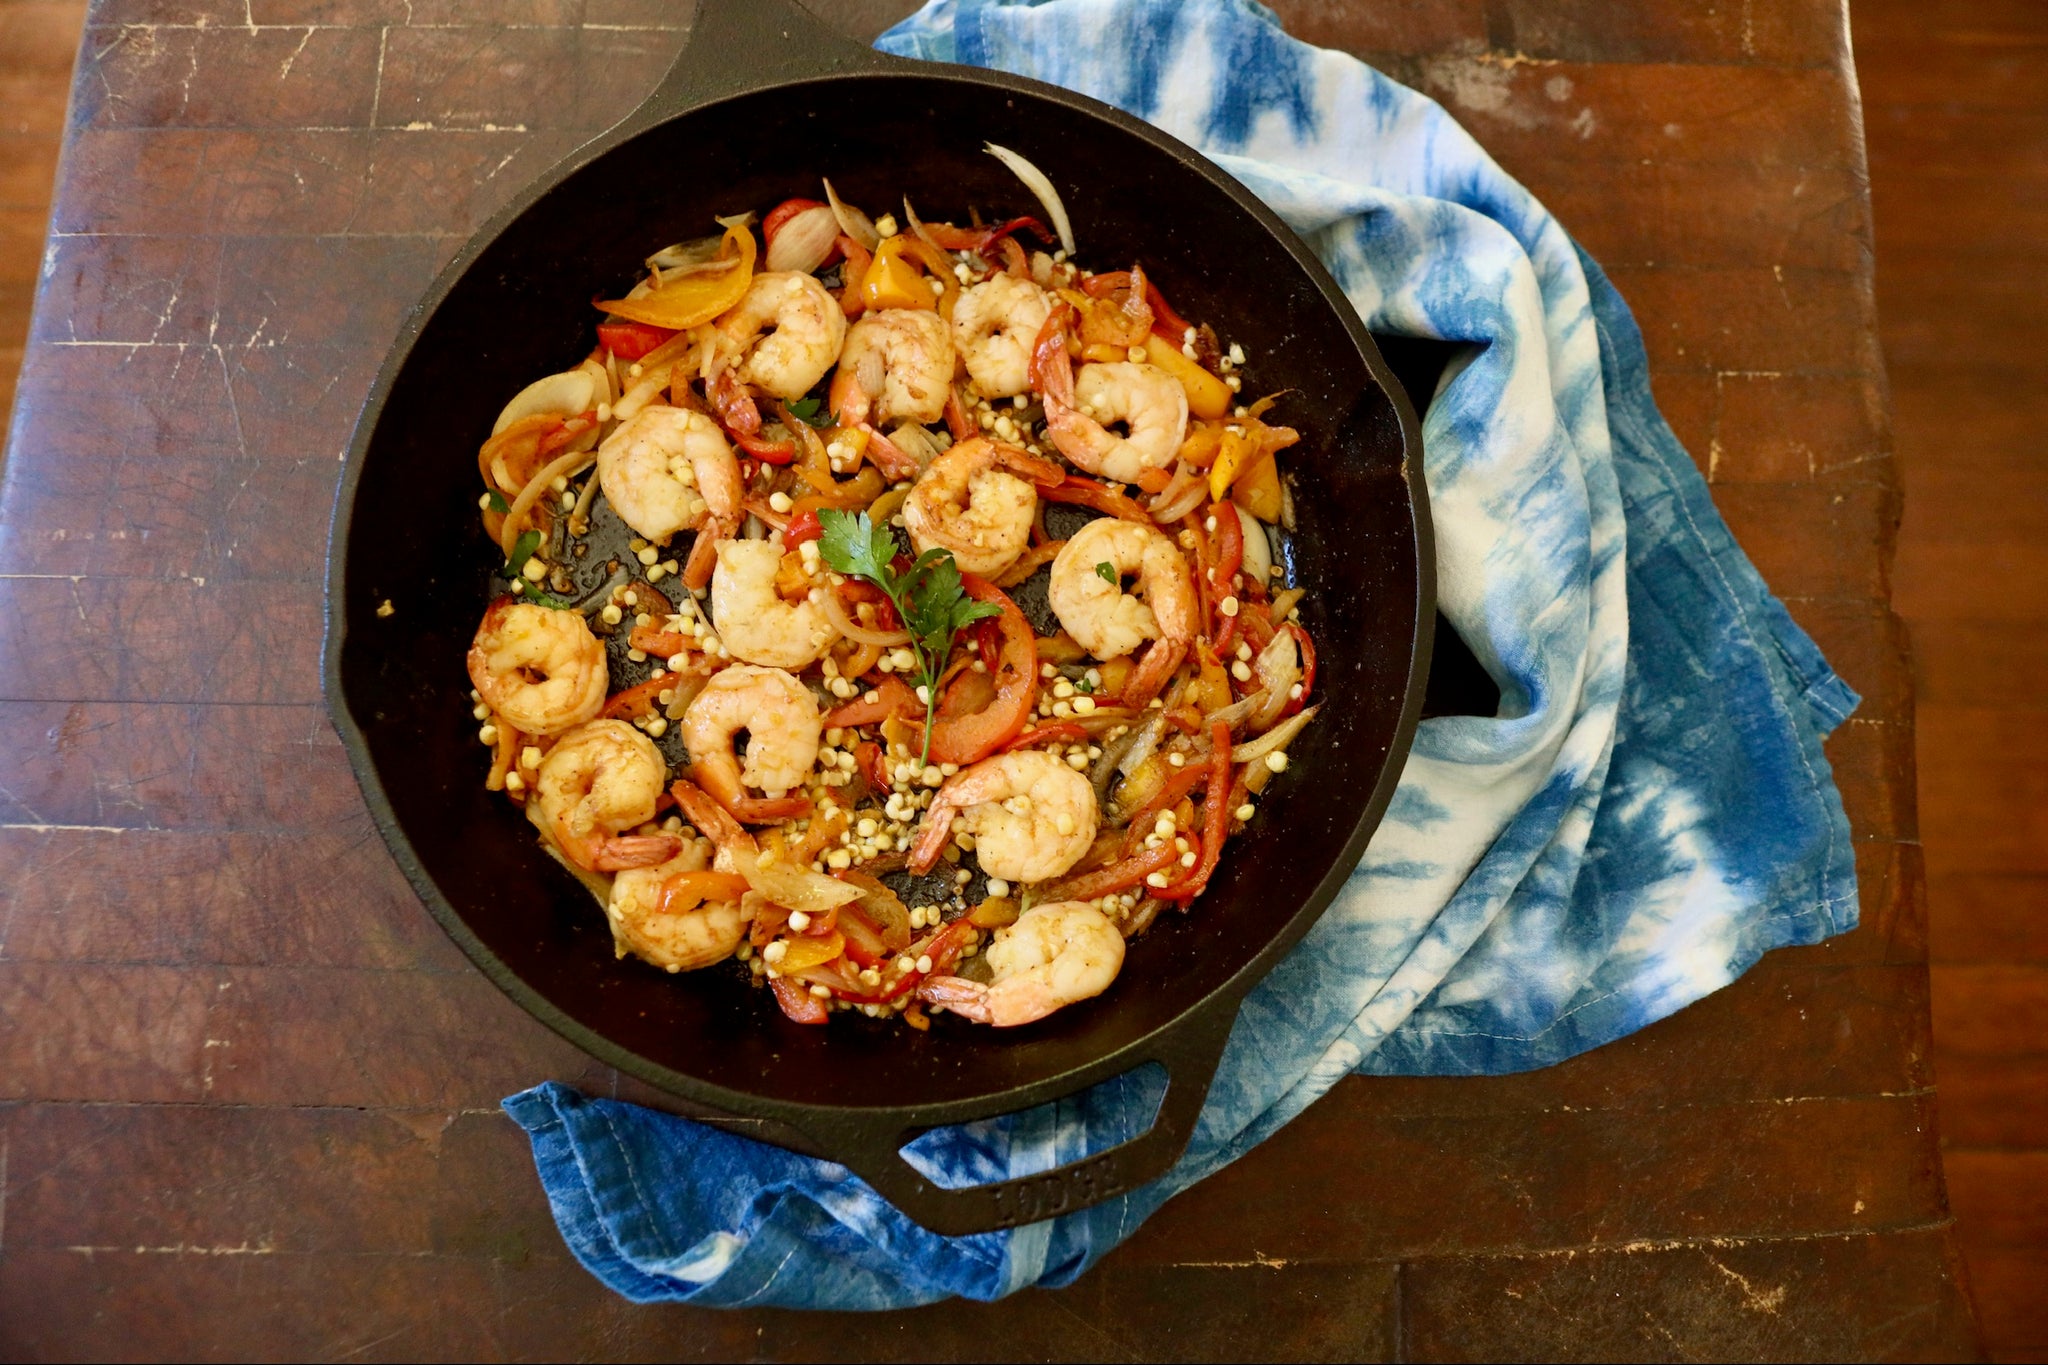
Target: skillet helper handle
(870, 1147)
(739, 45)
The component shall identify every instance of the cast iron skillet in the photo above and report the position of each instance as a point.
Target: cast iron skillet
(761, 101)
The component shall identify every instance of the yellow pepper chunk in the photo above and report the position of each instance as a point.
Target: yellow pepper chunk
(1234, 457)
(806, 951)
(1208, 396)
(695, 299)
(1258, 488)
(892, 282)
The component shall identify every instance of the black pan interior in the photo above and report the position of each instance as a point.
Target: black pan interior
(523, 309)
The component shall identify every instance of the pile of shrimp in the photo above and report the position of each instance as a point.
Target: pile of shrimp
(718, 737)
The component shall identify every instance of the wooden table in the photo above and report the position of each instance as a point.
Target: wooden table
(250, 1089)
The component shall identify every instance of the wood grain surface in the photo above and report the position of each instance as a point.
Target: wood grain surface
(249, 1089)
(1957, 94)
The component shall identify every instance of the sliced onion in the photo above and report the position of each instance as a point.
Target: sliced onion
(1239, 711)
(804, 240)
(1279, 669)
(852, 221)
(859, 634)
(1035, 181)
(1178, 498)
(571, 391)
(1286, 602)
(1276, 738)
(923, 233)
(1142, 747)
(1258, 549)
(564, 466)
(914, 441)
(796, 888)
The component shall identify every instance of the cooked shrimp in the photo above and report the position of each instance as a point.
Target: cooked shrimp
(897, 365)
(1087, 594)
(1031, 815)
(994, 326)
(539, 669)
(664, 916)
(783, 728)
(754, 623)
(1054, 955)
(666, 470)
(600, 779)
(736, 848)
(965, 503)
(1149, 402)
(1093, 606)
(807, 325)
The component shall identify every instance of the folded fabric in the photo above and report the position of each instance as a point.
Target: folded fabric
(1646, 815)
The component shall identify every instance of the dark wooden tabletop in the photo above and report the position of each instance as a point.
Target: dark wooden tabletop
(250, 1090)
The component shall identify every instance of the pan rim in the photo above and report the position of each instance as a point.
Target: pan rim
(1219, 1006)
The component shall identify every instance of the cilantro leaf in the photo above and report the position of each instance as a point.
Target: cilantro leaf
(929, 596)
(1106, 571)
(498, 503)
(811, 411)
(855, 546)
(522, 550)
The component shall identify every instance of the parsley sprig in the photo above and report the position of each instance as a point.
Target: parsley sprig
(928, 596)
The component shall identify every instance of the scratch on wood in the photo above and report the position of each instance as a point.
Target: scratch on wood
(180, 1249)
(286, 69)
(1766, 1302)
(1269, 1262)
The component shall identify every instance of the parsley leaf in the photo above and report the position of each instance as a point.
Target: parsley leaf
(498, 503)
(929, 596)
(811, 411)
(1106, 571)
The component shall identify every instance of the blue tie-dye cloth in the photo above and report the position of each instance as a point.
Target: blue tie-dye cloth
(1649, 812)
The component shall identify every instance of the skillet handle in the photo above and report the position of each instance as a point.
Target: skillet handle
(740, 45)
(870, 1145)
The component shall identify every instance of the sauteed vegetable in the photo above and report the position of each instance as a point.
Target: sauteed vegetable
(893, 607)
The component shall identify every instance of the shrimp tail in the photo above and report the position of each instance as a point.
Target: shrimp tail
(1051, 371)
(847, 398)
(717, 824)
(1023, 463)
(1152, 672)
(622, 852)
(932, 835)
(968, 999)
(703, 558)
(893, 460)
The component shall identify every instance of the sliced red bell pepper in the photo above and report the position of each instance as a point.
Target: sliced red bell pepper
(802, 527)
(1118, 876)
(867, 756)
(1087, 492)
(1215, 820)
(631, 340)
(893, 697)
(969, 739)
(638, 700)
(1059, 732)
(1308, 669)
(1165, 321)
(798, 1003)
(764, 449)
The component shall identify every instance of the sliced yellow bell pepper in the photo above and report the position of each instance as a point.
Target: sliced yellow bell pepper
(1233, 458)
(1208, 397)
(1258, 488)
(695, 299)
(891, 281)
(806, 951)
